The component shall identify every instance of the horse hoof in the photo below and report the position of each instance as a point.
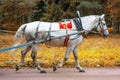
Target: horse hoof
(17, 68)
(43, 71)
(38, 68)
(82, 70)
(54, 67)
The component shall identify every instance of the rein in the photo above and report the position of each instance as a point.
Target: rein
(101, 27)
(67, 37)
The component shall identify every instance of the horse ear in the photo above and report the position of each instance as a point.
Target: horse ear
(102, 16)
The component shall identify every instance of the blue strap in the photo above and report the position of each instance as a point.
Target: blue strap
(14, 47)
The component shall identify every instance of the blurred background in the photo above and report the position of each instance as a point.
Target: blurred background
(94, 51)
(13, 13)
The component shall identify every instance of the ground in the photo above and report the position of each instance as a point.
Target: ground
(61, 74)
(95, 51)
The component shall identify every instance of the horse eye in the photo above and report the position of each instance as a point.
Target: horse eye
(103, 23)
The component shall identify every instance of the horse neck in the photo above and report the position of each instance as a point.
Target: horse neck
(88, 22)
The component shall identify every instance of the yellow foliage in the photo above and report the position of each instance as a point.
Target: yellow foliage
(94, 52)
(110, 29)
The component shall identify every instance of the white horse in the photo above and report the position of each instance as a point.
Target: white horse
(45, 30)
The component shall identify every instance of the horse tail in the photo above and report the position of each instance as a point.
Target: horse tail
(18, 36)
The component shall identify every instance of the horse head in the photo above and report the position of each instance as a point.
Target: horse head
(101, 25)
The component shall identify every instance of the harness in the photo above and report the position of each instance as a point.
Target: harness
(47, 37)
(78, 25)
(24, 29)
(36, 33)
(67, 37)
(101, 26)
(49, 34)
(64, 25)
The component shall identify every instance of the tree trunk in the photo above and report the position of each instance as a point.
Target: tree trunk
(116, 23)
(29, 18)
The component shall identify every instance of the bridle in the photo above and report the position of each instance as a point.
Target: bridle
(101, 25)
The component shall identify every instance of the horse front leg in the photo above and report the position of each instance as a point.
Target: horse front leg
(68, 51)
(75, 53)
(34, 57)
(23, 53)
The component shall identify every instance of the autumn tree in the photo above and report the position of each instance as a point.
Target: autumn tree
(16, 12)
(90, 7)
(113, 9)
(52, 14)
(67, 9)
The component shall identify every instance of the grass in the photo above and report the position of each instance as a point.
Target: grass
(94, 52)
